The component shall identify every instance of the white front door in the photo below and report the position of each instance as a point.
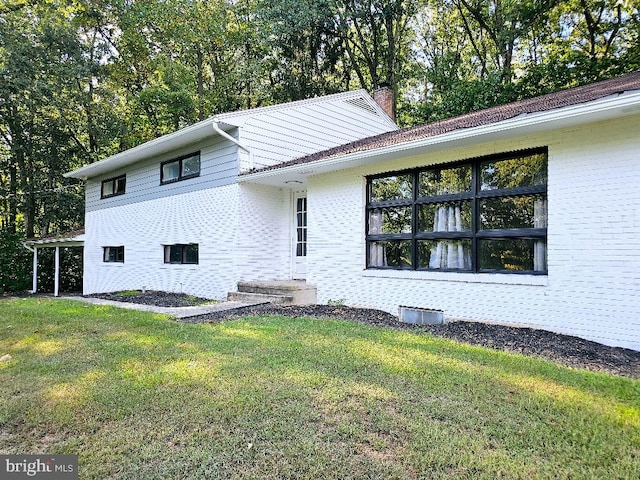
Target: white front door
(299, 235)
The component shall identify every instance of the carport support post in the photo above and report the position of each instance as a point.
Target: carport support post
(56, 282)
(35, 269)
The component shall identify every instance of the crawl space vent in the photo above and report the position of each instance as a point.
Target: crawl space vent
(421, 316)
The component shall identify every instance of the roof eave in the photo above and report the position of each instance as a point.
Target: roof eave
(601, 109)
(172, 141)
(75, 241)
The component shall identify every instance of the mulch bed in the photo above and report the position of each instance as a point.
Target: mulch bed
(563, 349)
(153, 297)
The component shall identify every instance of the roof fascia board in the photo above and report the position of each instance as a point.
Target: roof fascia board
(166, 143)
(628, 103)
(200, 131)
(57, 242)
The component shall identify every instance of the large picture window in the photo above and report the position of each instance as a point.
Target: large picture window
(181, 253)
(484, 215)
(180, 168)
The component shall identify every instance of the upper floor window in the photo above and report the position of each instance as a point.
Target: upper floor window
(484, 215)
(181, 253)
(113, 254)
(113, 186)
(187, 166)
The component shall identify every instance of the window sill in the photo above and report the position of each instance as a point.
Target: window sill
(492, 278)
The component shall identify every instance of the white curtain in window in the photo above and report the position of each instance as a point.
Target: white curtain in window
(377, 257)
(448, 253)
(540, 246)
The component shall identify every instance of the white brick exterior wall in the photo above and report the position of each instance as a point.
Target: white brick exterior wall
(243, 233)
(592, 288)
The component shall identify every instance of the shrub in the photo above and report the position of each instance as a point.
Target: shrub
(15, 263)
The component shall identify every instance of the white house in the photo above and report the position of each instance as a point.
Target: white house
(526, 214)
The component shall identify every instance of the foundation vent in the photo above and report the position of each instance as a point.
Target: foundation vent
(421, 316)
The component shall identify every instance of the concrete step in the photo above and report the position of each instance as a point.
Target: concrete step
(248, 297)
(301, 292)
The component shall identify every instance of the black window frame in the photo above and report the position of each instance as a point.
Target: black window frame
(182, 249)
(179, 161)
(114, 183)
(475, 196)
(118, 256)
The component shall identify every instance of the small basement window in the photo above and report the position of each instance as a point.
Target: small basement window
(113, 186)
(113, 254)
(181, 253)
(181, 168)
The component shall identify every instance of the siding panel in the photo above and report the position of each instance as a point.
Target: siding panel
(218, 167)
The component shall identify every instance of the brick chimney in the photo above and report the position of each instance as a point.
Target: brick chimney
(383, 95)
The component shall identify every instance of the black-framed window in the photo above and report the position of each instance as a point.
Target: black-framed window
(181, 253)
(486, 214)
(181, 168)
(113, 254)
(113, 186)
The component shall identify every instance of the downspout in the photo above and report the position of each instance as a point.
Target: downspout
(218, 130)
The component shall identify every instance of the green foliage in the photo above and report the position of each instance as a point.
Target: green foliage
(70, 269)
(339, 302)
(84, 80)
(15, 263)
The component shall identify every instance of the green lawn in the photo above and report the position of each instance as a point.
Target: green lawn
(140, 396)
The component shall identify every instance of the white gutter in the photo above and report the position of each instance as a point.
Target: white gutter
(219, 131)
(628, 103)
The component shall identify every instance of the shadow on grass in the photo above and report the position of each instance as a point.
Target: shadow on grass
(305, 397)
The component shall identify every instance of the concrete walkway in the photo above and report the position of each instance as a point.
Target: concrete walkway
(177, 312)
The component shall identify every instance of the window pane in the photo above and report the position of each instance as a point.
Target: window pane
(445, 217)
(514, 172)
(191, 254)
(113, 254)
(120, 184)
(392, 253)
(444, 254)
(170, 171)
(445, 181)
(191, 166)
(518, 254)
(175, 253)
(397, 187)
(390, 220)
(513, 212)
(107, 188)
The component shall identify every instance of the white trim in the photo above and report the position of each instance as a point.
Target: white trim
(77, 241)
(606, 107)
(295, 274)
(199, 131)
(484, 278)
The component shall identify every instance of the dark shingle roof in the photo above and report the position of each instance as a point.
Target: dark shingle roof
(563, 98)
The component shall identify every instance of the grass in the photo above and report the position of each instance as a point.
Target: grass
(139, 396)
